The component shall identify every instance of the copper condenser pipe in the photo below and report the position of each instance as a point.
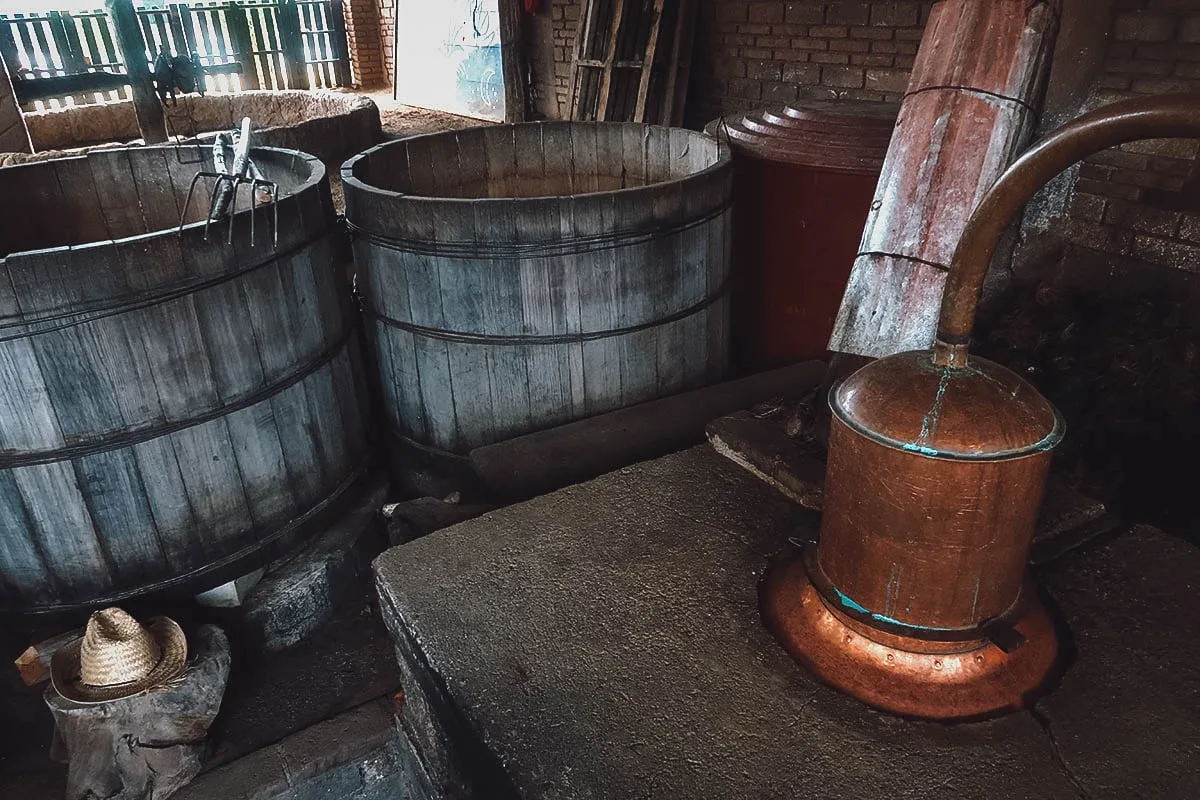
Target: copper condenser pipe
(916, 599)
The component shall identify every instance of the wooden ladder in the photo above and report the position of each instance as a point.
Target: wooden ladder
(619, 73)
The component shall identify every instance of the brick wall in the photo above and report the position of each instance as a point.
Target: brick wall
(364, 43)
(1142, 200)
(387, 37)
(753, 52)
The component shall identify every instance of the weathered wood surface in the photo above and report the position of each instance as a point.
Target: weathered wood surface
(610, 242)
(14, 137)
(132, 44)
(168, 404)
(970, 108)
(145, 747)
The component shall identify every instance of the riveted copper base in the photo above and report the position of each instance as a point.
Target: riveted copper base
(903, 675)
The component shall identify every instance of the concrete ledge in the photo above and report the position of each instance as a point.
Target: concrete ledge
(329, 125)
(353, 756)
(604, 641)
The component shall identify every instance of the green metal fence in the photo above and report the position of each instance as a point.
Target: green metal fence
(67, 57)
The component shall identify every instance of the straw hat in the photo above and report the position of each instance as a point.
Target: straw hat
(118, 657)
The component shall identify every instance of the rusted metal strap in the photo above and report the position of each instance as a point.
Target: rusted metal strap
(555, 248)
(81, 315)
(462, 337)
(128, 438)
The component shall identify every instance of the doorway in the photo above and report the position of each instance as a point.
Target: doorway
(448, 56)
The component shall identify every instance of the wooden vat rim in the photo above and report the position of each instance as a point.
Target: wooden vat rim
(350, 181)
(314, 179)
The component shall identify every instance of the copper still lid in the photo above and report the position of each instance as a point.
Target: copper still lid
(979, 412)
(828, 134)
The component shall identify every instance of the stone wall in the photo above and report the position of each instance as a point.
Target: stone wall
(753, 52)
(1142, 200)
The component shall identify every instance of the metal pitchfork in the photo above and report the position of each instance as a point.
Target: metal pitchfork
(229, 178)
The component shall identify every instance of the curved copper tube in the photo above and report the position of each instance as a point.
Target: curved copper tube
(1162, 117)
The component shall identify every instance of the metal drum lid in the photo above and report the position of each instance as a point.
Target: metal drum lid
(829, 134)
(980, 412)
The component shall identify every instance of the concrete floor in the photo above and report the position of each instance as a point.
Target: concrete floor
(604, 641)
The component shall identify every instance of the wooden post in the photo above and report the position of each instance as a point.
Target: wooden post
(14, 136)
(971, 105)
(291, 41)
(243, 46)
(512, 54)
(133, 52)
(339, 43)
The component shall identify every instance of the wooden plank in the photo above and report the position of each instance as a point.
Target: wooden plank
(67, 42)
(647, 65)
(292, 43)
(149, 112)
(28, 90)
(679, 67)
(602, 106)
(512, 57)
(26, 577)
(337, 36)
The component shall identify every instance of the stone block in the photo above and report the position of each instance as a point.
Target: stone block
(577, 671)
(887, 80)
(842, 77)
(145, 747)
(766, 12)
(805, 13)
(802, 73)
(894, 15)
(845, 12)
(1142, 26)
(299, 594)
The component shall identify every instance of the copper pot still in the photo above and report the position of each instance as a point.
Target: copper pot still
(917, 599)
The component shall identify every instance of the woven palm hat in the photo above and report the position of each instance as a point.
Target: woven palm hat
(119, 657)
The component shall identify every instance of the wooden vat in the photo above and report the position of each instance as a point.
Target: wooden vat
(519, 277)
(172, 409)
(804, 180)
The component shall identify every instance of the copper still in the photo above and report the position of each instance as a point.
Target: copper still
(804, 179)
(916, 599)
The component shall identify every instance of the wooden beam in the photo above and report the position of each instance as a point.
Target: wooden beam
(291, 40)
(609, 58)
(512, 55)
(970, 107)
(133, 52)
(647, 65)
(14, 136)
(243, 47)
(29, 89)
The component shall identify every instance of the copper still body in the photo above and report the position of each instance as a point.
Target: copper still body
(916, 599)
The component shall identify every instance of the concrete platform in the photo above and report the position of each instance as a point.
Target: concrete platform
(604, 642)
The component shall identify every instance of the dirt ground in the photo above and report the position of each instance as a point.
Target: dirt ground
(400, 120)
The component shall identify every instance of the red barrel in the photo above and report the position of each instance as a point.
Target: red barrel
(803, 184)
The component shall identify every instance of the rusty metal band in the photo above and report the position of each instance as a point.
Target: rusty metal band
(556, 248)
(461, 337)
(125, 439)
(998, 629)
(81, 315)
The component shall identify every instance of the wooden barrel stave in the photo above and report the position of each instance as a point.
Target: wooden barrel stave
(243, 457)
(455, 393)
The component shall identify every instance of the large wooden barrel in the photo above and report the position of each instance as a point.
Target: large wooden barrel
(804, 178)
(172, 407)
(518, 277)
